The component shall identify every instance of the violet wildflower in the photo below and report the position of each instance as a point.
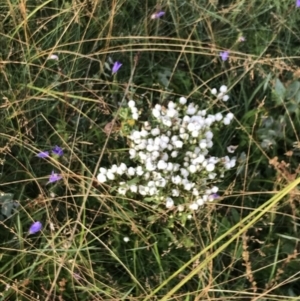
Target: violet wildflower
(54, 177)
(57, 151)
(158, 15)
(224, 55)
(215, 196)
(297, 3)
(117, 65)
(44, 154)
(35, 227)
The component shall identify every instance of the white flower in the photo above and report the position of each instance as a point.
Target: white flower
(191, 110)
(195, 192)
(150, 148)
(139, 171)
(189, 186)
(53, 57)
(123, 166)
(171, 105)
(135, 135)
(165, 157)
(161, 182)
(219, 117)
(194, 206)
(214, 189)
(166, 121)
(209, 135)
(175, 192)
(214, 91)
(172, 113)
(103, 170)
(131, 171)
(122, 190)
(142, 190)
(229, 116)
(192, 168)
(226, 121)
(144, 133)
(135, 116)
(155, 131)
(126, 239)
(132, 153)
(169, 203)
(156, 113)
(182, 100)
(200, 202)
(113, 169)
(150, 166)
(176, 180)
(180, 208)
(184, 172)
(195, 134)
(170, 166)
(203, 144)
(133, 188)
(162, 164)
(210, 167)
(157, 107)
(225, 98)
(131, 103)
(101, 178)
(110, 175)
(223, 89)
(178, 144)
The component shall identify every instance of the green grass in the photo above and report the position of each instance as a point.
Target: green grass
(244, 246)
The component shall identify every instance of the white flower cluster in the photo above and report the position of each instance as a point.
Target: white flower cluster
(222, 93)
(171, 154)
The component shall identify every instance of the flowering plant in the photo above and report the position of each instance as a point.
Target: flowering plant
(170, 154)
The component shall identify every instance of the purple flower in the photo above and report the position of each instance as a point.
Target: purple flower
(224, 55)
(44, 154)
(57, 151)
(297, 3)
(158, 15)
(54, 177)
(35, 227)
(215, 196)
(117, 65)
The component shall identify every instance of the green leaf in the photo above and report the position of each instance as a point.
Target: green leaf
(280, 91)
(5, 197)
(292, 90)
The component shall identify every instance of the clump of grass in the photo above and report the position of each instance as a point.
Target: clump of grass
(68, 236)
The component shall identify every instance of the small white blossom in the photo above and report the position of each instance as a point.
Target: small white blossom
(226, 121)
(101, 178)
(169, 203)
(225, 98)
(194, 206)
(155, 131)
(131, 171)
(210, 167)
(175, 192)
(110, 175)
(122, 190)
(200, 202)
(214, 91)
(133, 188)
(131, 103)
(182, 100)
(223, 89)
(180, 208)
(126, 239)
